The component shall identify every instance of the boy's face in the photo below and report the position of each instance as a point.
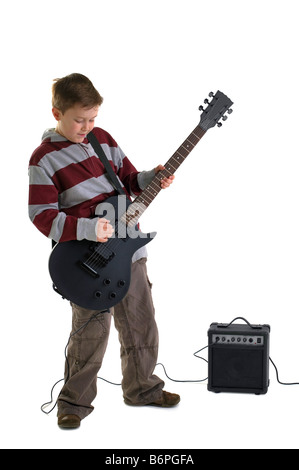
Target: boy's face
(76, 122)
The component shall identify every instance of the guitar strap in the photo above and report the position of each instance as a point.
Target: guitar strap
(102, 156)
(110, 175)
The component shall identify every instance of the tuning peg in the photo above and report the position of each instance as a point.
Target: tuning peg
(219, 124)
(224, 118)
(206, 101)
(201, 108)
(230, 110)
(211, 94)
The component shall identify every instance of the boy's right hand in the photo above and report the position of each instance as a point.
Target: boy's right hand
(104, 230)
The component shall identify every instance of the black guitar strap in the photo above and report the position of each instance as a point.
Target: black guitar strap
(102, 156)
(110, 175)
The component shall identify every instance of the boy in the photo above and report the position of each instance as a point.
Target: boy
(67, 182)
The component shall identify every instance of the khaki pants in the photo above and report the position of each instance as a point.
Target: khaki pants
(134, 319)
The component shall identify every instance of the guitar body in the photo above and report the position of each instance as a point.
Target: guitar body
(96, 275)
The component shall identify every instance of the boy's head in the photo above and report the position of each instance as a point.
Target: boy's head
(75, 104)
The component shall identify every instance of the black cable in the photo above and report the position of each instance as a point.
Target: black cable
(113, 383)
(199, 357)
(51, 400)
(175, 380)
(94, 316)
(282, 383)
(108, 381)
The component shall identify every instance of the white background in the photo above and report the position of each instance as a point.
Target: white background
(228, 230)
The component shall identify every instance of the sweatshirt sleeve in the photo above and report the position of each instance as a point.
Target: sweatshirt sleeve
(145, 177)
(45, 214)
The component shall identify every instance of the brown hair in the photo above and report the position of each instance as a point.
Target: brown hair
(74, 89)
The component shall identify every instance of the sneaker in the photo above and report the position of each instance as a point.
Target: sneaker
(167, 400)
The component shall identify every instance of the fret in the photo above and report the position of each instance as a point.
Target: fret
(185, 149)
(195, 137)
(173, 166)
(155, 185)
(144, 197)
(187, 145)
(181, 154)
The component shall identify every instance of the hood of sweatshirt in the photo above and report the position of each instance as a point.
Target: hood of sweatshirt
(50, 135)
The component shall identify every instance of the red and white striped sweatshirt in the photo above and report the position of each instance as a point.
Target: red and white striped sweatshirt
(67, 182)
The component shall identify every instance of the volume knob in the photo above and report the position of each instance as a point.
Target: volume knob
(121, 283)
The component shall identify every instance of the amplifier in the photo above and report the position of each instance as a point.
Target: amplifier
(238, 358)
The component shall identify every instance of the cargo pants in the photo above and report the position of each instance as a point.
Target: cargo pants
(134, 319)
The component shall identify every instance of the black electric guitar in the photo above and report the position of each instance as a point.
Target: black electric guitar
(97, 275)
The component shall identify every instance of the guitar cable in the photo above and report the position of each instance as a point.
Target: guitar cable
(44, 405)
(94, 316)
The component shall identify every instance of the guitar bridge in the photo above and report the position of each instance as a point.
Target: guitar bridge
(89, 269)
(99, 259)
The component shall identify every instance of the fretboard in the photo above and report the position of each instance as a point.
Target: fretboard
(147, 196)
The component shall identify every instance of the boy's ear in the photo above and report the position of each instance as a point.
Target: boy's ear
(56, 113)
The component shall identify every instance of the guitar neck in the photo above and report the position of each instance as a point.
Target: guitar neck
(147, 196)
(153, 189)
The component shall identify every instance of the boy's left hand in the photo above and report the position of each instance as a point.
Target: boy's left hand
(166, 182)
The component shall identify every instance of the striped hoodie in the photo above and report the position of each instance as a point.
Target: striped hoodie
(67, 182)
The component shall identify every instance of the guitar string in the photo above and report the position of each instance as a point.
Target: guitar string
(99, 252)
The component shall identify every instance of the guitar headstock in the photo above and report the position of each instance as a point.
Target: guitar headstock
(216, 109)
